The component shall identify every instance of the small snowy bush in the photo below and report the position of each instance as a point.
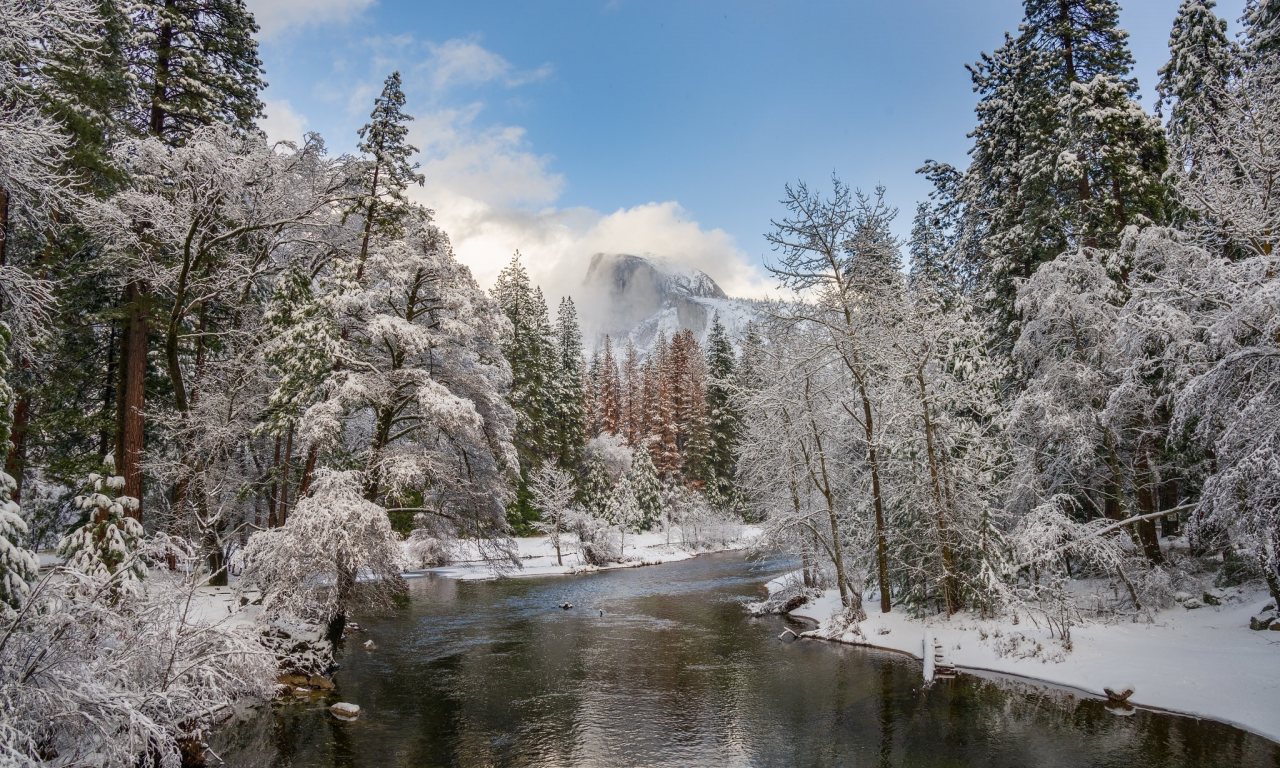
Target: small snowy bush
(104, 546)
(307, 569)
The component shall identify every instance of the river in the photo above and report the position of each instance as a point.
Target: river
(660, 666)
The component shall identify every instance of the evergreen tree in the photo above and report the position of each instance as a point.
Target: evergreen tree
(594, 486)
(568, 407)
(607, 387)
(1201, 62)
(647, 489)
(1078, 39)
(108, 540)
(1116, 154)
(194, 63)
(623, 510)
(1261, 22)
(1063, 154)
(629, 392)
(531, 353)
(18, 566)
(388, 173)
(723, 415)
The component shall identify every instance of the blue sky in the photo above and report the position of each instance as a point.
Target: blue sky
(565, 128)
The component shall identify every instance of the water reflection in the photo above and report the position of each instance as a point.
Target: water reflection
(660, 667)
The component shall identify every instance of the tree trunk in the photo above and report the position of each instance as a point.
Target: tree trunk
(345, 586)
(282, 509)
(132, 401)
(16, 462)
(949, 591)
(274, 491)
(308, 471)
(4, 227)
(882, 548)
(164, 52)
(1145, 493)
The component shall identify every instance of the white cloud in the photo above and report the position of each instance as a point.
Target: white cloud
(557, 243)
(275, 16)
(281, 122)
(493, 164)
(466, 62)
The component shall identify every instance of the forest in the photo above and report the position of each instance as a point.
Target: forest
(235, 364)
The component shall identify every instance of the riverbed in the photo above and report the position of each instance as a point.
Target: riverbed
(660, 666)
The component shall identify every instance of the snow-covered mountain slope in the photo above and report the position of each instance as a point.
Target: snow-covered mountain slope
(644, 297)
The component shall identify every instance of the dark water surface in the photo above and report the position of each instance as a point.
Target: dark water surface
(676, 674)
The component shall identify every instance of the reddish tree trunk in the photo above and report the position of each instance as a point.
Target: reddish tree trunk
(132, 400)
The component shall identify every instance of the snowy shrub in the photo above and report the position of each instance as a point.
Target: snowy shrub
(426, 546)
(595, 539)
(93, 674)
(307, 569)
(612, 451)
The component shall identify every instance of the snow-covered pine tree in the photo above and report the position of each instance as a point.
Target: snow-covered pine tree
(609, 392)
(110, 537)
(387, 172)
(1261, 22)
(594, 486)
(193, 64)
(1005, 194)
(1045, 172)
(1201, 63)
(623, 510)
(530, 351)
(568, 407)
(723, 416)
(928, 248)
(18, 566)
(1116, 155)
(665, 426)
(630, 390)
(647, 489)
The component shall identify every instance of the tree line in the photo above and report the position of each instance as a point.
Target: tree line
(675, 404)
(1058, 396)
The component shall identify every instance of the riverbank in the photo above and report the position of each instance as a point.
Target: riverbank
(1205, 663)
(537, 555)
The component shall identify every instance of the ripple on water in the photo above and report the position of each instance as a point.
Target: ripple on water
(676, 674)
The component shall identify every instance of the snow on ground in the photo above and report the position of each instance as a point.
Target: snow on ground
(1204, 662)
(538, 557)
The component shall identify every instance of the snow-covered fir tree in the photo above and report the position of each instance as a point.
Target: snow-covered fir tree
(530, 351)
(723, 416)
(103, 548)
(387, 172)
(1200, 66)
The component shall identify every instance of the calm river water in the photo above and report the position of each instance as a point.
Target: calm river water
(660, 666)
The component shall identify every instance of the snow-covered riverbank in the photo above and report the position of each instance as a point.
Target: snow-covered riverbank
(1204, 662)
(538, 557)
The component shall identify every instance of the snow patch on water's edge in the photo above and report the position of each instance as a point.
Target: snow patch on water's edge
(1206, 664)
(537, 556)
